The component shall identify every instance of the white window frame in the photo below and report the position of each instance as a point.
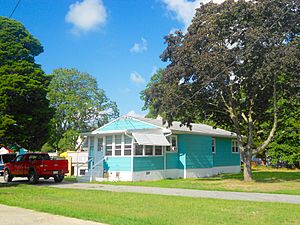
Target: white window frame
(234, 147)
(115, 144)
(213, 146)
(171, 151)
(143, 149)
(162, 150)
(112, 149)
(100, 147)
(145, 146)
(123, 145)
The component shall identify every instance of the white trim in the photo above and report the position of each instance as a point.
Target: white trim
(234, 144)
(233, 135)
(214, 144)
(123, 176)
(172, 136)
(155, 174)
(110, 132)
(207, 172)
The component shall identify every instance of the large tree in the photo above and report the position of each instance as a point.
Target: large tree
(24, 109)
(80, 107)
(154, 80)
(284, 149)
(236, 61)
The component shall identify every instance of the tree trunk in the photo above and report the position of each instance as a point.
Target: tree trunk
(247, 171)
(247, 165)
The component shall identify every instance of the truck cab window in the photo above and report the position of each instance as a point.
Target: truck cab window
(19, 158)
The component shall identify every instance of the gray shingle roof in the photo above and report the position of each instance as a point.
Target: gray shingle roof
(196, 128)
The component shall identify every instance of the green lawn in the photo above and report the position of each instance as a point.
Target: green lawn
(266, 181)
(130, 208)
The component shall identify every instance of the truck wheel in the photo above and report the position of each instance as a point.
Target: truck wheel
(58, 178)
(33, 177)
(7, 177)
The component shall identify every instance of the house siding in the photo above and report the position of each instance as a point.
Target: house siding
(195, 151)
(117, 164)
(223, 155)
(148, 163)
(172, 160)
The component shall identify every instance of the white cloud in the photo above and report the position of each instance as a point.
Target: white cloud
(87, 15)
(136, 78)
(184, 10)
(140, 47)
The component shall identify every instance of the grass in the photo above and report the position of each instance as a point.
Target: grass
(70, 179)
(132, 208)
(277, 181)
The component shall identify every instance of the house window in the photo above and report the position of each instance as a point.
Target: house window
(138, 149)
(213, 145)
(149, 150)
(234, 146)
(173, 141)
(118, 144)
(158, 150)
(127, 145)
(108, 146)
(92, 146)
(100, 144)
(81, 172)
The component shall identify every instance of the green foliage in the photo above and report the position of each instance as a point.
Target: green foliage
(150, 90)
(80, 107)
(24, 109)
(235, 60)
(286, 144)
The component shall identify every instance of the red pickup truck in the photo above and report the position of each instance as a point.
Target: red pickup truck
(35, 165)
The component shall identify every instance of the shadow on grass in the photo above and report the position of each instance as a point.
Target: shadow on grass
(4, 185)
(259, 176)
(41, 182)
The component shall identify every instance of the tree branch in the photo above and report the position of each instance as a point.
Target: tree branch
(272, 132)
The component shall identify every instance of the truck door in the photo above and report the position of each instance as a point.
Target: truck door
(27, 162)
(17, 165)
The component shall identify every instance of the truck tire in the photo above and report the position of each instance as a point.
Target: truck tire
(58, 178)
(7, 176)
(33, 177)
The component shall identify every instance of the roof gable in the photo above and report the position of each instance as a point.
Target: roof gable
(125, 123)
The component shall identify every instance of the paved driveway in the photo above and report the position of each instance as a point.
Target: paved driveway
(260, 197)
(16, 216)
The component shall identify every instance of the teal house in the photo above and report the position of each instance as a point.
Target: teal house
(135, 148)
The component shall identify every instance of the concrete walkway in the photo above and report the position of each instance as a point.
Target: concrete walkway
(246, 196)
(16, 216)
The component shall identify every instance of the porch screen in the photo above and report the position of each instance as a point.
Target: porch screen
(143, 138)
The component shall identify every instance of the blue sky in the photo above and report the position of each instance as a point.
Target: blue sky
(116, 41)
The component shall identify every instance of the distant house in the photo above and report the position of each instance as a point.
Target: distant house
(135, 148)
